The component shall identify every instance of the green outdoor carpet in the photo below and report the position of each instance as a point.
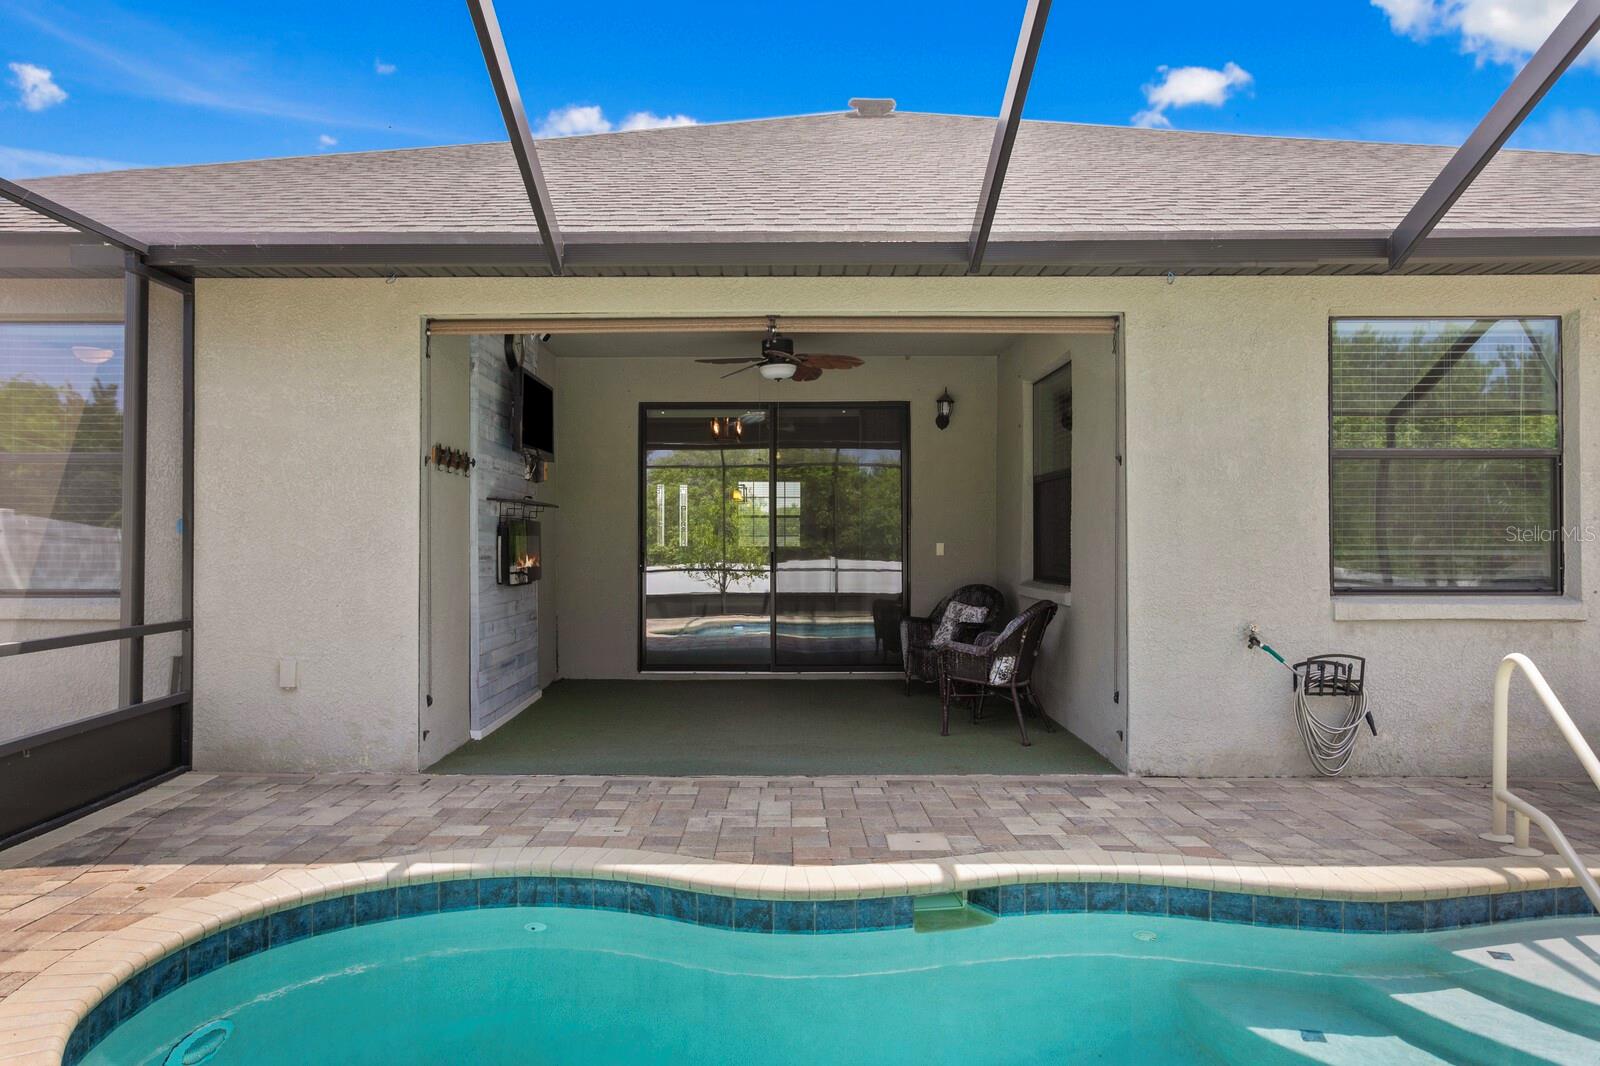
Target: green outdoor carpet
(763, 728)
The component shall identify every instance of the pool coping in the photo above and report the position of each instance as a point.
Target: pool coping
(38, 1019)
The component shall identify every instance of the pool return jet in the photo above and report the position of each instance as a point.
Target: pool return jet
(1329, 741)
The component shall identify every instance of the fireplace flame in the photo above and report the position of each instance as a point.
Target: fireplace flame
(527, 562)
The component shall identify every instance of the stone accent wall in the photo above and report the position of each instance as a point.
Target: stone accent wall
(505, 618)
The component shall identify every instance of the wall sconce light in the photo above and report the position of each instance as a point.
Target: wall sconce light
(946, 403)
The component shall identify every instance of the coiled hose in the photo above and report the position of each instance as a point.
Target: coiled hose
(1330, 743)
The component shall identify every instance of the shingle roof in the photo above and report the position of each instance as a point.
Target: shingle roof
(835, 177)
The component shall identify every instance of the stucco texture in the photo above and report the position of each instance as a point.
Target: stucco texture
(308, 506)
(1079, 673)
(307, 452)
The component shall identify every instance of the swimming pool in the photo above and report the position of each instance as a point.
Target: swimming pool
(560, 985)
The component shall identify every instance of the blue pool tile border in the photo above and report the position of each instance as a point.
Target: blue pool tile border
(1282, 912)
(803, 917)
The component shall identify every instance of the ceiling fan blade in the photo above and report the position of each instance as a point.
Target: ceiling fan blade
(823, 361)
(741, 370)
(737, 359)
(806, 373)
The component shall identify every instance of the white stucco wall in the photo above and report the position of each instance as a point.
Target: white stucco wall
(307, 454)
(1228, 524)
(1079, 671)
(308, 508)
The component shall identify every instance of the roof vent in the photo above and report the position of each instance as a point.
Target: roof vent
(871, 107)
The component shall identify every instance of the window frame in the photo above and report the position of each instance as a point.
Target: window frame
(46, 593)
(1557, 454)
(1035, 478)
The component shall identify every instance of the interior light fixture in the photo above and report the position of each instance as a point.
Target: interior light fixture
(83, 353)
(777, 371)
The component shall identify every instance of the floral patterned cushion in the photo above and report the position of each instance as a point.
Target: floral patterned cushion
(955, 616)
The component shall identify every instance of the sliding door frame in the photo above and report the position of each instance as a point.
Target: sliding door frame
(773, 410)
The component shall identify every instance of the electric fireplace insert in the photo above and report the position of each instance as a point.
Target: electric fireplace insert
(517, 551)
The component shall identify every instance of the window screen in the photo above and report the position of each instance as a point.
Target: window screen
(1052, 477)
(60, 458)
(1446, 454)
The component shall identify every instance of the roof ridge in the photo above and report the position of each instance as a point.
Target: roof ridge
(427, 147)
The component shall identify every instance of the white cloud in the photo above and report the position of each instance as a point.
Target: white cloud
(1187, 87)
(36, 87)
(325, 141)
(649, 120)
(28, 163)
(1493, 31)
(1414, 18)
(380, 67)
(578, 119)
(573, 120)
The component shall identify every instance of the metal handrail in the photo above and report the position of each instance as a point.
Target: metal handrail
(97, 636)
(1504, 798)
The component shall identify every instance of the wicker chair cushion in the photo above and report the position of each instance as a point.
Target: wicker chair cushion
(955, 616)
(917, 635)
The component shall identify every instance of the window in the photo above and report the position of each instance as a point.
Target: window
(60, 458)
(1052, 477)
(1446, 455)
(753, 511)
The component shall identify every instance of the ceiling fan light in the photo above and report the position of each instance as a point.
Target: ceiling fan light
(777, 371)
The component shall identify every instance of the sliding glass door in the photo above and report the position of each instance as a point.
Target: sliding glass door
(704, 563)
(840, 486)
(772, 536)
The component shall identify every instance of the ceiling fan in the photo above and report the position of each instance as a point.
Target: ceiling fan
(779, 361)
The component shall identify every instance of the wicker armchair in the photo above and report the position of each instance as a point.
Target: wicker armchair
(995, 661)
(917, 654)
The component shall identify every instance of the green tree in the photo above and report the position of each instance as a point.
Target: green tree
(694, 524)
(60, 453)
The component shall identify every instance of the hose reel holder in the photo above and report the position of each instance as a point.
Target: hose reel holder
(1330, 739)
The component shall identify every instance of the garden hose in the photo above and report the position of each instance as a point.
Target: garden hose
(1329, 741)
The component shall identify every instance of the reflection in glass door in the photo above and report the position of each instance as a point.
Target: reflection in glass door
(839, 490)
(730, 492)
(705, 564)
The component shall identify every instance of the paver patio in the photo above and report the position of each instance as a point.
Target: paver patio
(203, 834)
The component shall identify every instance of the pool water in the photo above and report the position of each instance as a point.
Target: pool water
(589, 987)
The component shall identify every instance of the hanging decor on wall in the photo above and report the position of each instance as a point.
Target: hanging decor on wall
(449, 460)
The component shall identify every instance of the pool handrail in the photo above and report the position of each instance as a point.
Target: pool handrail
(1503, 796)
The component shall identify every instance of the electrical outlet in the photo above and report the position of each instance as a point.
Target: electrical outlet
(938, 548)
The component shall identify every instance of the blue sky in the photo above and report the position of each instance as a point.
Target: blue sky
(95, 83)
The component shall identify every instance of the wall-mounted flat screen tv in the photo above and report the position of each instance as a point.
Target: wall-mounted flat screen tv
(533, 416)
